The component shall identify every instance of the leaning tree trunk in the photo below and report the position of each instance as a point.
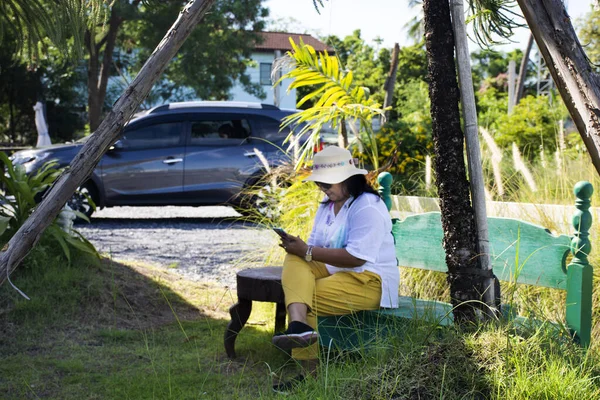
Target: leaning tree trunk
(390, 81)
(523, 70)
(458, 222)
(578, 85)
(84, 162)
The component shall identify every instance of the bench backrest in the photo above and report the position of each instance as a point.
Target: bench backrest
(521, 252)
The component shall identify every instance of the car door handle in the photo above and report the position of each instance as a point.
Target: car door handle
(172, 161)
(250, 154)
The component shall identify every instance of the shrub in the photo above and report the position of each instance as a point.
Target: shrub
(413, 142)
(22, 193)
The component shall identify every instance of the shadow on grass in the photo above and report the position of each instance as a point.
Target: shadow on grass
(111, 330)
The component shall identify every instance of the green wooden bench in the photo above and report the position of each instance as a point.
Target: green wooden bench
(521, 252)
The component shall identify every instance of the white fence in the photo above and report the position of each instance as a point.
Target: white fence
(557, 218)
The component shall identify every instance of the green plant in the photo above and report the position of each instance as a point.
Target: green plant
(22, 192)
(532, 125)
(413, 142)
(339, 100)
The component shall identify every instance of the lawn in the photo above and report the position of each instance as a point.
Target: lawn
(108, 330)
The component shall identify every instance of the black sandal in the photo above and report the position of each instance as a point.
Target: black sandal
(297, 335)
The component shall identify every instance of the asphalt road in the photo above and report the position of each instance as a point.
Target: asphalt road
(202, 243)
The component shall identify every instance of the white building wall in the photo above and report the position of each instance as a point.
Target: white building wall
(237, 93)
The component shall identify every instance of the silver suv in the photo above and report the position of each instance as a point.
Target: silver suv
(192, 153)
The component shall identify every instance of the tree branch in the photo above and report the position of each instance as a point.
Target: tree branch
(88, 157)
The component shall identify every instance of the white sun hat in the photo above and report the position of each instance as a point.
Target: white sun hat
(333, 165)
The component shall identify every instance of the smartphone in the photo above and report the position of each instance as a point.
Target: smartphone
(280, 232)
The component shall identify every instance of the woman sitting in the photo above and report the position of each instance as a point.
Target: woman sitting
(348, 263)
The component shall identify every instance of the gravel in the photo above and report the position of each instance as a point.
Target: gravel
(202, 243)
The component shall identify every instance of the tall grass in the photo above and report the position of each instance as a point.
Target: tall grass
(116, 353)
(155, 335)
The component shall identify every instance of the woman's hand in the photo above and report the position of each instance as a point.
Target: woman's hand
(294, 245)
(337, 257)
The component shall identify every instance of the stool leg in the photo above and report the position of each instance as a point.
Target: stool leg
(240, 312)
(280, 315)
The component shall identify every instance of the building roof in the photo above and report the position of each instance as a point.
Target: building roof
(280, 41)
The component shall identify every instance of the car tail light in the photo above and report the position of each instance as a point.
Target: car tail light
(318, 146)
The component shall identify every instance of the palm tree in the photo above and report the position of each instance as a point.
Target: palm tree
(460, 242)
(32, 21)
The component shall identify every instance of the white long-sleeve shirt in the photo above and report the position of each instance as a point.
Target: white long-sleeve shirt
(364, 228)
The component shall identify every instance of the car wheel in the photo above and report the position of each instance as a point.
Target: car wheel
(84, 200)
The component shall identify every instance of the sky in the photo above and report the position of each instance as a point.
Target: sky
(375, 18)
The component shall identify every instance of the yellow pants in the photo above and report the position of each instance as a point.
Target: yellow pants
(327, 294)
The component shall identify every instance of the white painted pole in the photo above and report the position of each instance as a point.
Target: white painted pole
(512, 77)
(277, 87)
(467, 96)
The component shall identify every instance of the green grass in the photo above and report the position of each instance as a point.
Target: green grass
(107, 330)
(140, 333)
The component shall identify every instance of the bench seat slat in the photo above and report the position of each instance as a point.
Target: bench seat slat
(358, 330)
(412, 308)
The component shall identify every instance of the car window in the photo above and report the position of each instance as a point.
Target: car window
(228, 131)
(153, 136)
(269, 129)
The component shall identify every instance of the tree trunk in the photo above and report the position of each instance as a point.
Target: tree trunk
(94, 109)
(570, 69)
(390, 81)
(88, 157)
(523, 70)
(343, 134)
(98, 73)
(458, 222)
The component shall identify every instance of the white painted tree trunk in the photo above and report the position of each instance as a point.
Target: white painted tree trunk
(107, 133)
(512, 78)
(573, 75)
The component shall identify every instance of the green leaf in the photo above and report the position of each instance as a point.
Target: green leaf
(4, 222)
(81, 216)
(88, 246)
(84, 246)
(310, 96)
(57, 233)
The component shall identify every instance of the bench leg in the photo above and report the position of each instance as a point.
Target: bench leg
(280, 315)
(240, 312)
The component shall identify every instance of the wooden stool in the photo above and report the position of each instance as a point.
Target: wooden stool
(254, 284)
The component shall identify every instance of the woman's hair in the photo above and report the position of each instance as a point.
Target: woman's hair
(357, 185)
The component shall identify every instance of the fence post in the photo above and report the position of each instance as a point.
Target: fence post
(579, 271)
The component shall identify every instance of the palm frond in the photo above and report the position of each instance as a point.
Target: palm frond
(494, 21)
(338, 99)
(317, 4)
(32, 22)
